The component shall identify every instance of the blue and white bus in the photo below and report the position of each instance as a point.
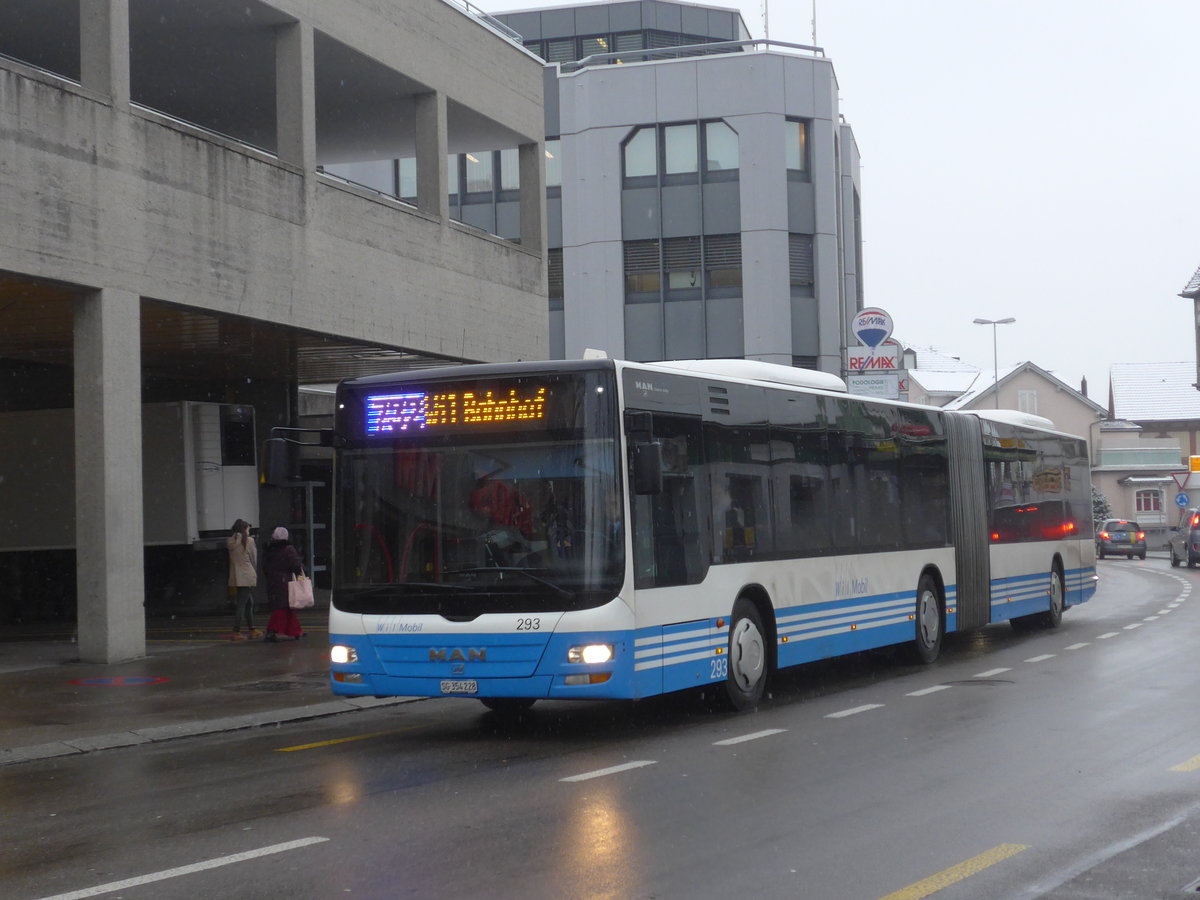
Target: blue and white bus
(607, 529)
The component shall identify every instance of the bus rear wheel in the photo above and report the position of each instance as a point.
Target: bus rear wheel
(927, 643)
(746, 672)
(1052, 617)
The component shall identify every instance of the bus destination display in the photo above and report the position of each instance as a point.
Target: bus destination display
(423, 410)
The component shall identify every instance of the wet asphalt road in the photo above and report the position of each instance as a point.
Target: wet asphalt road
(1062, 764)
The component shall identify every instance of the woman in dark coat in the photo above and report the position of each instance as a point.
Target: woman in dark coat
(280, 563)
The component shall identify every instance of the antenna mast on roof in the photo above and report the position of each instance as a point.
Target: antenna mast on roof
(814, 22)
(766, 21)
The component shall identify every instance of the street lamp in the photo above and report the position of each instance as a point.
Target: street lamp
(995, 363)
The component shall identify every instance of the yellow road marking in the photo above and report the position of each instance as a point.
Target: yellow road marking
(347, 740)
(1190, 766)
(955, 874)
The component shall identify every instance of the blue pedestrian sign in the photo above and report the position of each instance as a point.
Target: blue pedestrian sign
(1182, 501)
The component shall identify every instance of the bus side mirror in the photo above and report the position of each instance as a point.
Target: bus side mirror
(647, 468)
(277, 464)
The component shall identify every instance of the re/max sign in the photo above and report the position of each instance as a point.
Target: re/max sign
(873, 363)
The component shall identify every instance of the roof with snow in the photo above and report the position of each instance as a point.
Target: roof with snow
(987, 381)
(1154, 392)
(937, 360)
(1192, 290)
(943, 382)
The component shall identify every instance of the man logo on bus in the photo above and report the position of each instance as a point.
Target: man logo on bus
(456, 654)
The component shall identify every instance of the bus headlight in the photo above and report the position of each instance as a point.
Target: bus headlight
(340, 653)
(590, 654)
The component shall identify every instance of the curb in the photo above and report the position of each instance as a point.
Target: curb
(159, 733)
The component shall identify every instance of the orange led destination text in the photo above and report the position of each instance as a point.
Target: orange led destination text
(467, 407)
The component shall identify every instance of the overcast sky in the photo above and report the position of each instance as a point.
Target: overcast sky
(1030, 158)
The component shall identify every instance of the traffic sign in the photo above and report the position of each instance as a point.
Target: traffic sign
(1182, 501)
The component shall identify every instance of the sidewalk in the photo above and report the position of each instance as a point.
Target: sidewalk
(194, 680)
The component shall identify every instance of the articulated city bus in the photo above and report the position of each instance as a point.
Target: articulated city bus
(606, 529)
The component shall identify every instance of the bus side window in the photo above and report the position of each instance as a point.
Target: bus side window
(668, 538)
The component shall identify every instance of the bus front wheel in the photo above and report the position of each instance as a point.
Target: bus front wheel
(746, 674)
(927, 643)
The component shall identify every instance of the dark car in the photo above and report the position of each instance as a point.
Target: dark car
(1121, 536)
(1185, 540)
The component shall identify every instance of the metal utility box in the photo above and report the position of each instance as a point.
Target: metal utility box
(199, 474)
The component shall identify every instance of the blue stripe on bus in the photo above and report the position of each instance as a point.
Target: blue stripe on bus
(661, 659)
(1022, 595)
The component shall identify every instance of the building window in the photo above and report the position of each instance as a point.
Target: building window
(1149, 501)
(720, 152)
(594, 45)
(561, 50)
(800, 264)
(479, 172)
(554, 163)
(641, 157)
(643, 279)
(795, 148)
(681, 262)
(723, 265)
(554, 277)
(406, 175)
(1027, 402)
(624, 43)
(510, 170)
(680, 152)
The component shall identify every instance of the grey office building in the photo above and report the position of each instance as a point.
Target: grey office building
(704, 201)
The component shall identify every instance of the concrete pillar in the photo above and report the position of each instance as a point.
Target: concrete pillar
(433, 189)
(295, 102)
(531, 158)
(108, 477)
(104, 48)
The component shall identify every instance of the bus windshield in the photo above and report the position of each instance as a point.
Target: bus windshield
(477, 518)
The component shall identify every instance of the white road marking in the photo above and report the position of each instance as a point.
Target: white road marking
(1082, 644)
(1042, 658)
(1163, 612)
(1107, 635)
(749, 737)
(854, 711)
(929, 690)
(611, 770)
(1133, 626)
(992, 672)
(187, 870)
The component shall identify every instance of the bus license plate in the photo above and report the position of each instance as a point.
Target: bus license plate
(460, 687)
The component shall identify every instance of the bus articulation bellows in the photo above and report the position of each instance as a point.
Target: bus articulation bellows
(607, 529)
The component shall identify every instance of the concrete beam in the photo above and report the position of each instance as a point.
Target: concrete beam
(108, 477)
(533, 198)
(431, 142)
(295, 97)
(104, 48)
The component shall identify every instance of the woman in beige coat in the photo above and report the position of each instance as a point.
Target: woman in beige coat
(243, 576)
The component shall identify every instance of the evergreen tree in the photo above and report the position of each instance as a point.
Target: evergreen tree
(1101, 509)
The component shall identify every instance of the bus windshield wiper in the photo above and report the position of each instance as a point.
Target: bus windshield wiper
(398, 588)
(518, 570)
